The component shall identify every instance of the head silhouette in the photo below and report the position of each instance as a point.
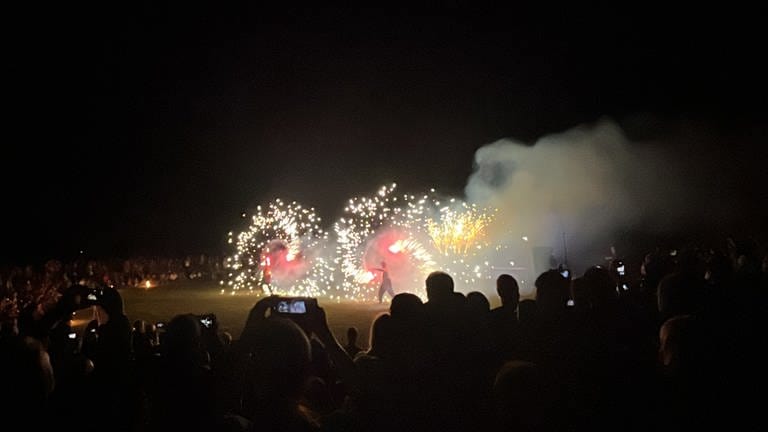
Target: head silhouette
(439, 286)
(551, 292)
(406, 306)
(600, 286)
(478, 303)
(508, 290)
(280, 361)
(183, 340)
(111, 300)
(519, 396)
(382, 336)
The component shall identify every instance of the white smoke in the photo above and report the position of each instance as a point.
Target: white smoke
(582, 184)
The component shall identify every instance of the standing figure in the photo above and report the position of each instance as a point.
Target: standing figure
(386, 282)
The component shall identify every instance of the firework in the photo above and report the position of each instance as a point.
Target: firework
(280, 253)
(376, 230)
(457, 232)
(284, 250)
(419, 234)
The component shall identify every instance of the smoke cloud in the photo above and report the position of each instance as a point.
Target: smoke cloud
(574, 190)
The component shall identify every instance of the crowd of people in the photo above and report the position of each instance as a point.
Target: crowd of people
(678, 348)
(31, 286)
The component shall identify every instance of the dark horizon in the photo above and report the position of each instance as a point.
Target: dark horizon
(149, 131)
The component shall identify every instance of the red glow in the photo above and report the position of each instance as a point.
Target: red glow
(279, 264)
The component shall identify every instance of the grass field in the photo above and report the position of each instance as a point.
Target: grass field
(164, 302)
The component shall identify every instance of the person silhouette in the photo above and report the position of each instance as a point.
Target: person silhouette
(386, 282)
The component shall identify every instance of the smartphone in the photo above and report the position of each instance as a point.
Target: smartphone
(92, 297)
(160, 325)
(72, 335)
(294, 305)
(566, 273)
(570, 303)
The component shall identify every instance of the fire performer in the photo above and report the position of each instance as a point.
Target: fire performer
(386, 282)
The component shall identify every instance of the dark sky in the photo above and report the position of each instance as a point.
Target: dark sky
(147, 129)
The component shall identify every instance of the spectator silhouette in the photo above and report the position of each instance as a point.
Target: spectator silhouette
(263, 376)
(352, 347)
(113, 374)
(690, 395)
(478, 303)
(520, 397)
(28, 380)
(504, 319)
(181, 389)
(681, 292)
(616, 352)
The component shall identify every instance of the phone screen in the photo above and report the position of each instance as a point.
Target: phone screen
(620, 269)
(72, 335)
(298, 307)
(293, 306)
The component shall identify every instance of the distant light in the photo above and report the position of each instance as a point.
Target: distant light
(81, 252)
(512, 263)
(243, 215)
(147, 284)
(525, 238)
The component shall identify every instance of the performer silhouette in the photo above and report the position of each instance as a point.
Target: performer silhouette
(386, 282)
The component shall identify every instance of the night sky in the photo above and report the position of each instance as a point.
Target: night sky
(146, 129)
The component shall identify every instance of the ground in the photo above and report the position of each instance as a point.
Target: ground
(164, 302)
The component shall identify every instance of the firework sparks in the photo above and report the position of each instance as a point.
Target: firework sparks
(379, 229)
(280, 253)
(422, 231)
(284, 249)
(457, 232)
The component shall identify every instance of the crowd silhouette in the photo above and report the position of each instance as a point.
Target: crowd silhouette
(678, 347)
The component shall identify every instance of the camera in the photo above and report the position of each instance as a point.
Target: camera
(294, 305)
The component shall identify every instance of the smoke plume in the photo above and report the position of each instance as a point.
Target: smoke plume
(574, 190)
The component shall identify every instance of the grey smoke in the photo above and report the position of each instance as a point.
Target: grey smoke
(586, 183)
